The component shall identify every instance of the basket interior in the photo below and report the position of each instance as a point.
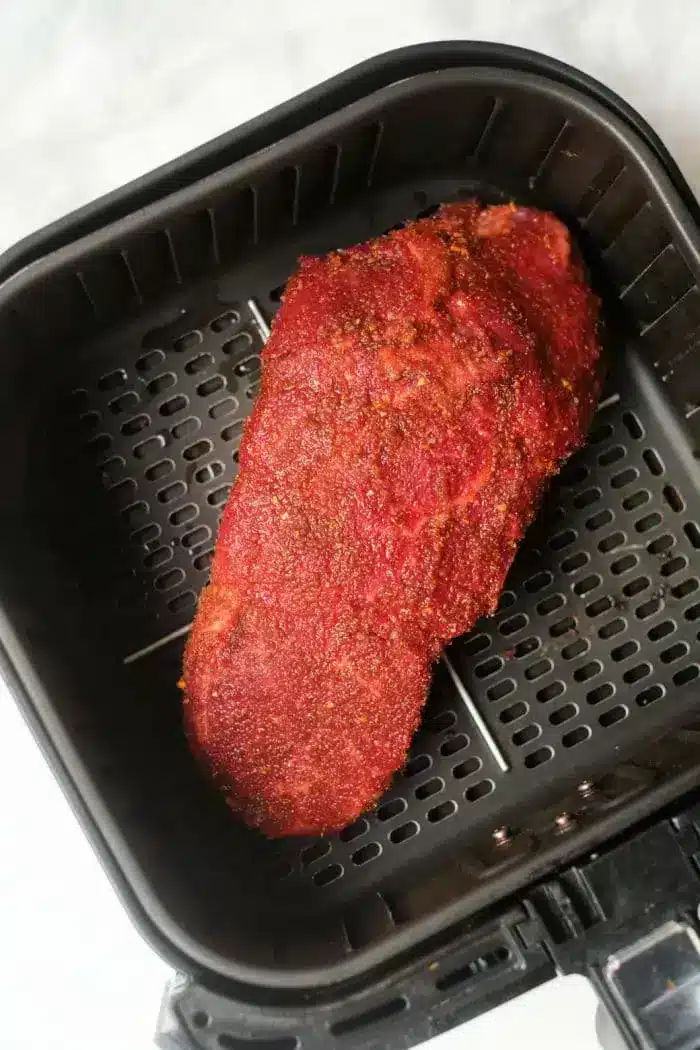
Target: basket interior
(130, 364)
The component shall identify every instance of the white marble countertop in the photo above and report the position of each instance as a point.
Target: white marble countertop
(96, 92)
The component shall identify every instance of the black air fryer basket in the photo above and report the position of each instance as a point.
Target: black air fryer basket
(131, 334)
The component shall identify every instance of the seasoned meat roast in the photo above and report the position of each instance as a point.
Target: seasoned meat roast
(418, 391)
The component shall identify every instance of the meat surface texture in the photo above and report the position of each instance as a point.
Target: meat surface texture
(417, 393)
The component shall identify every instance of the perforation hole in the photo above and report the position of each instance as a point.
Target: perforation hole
(633, 426)
(136, 514)
(429, 788)
(538, 582)
(550, 692)
(167, 580)
(587, 498)
(394, 808)
(599, 606)
(218, 496)
(159, 384)
(538, 669)
(636, 499)
(194, 538)
(135, 425)
(183, 515)
(624, 477)
(148, 362)
(653, 461)
(600, 694)
(575, 649)
(661, 630)
(526, 735)
(549, 605)
(649, 695)
(693, 613)
(611, 455)
(513, 624)
(648, 522)
(240, 344)
(223, 408)
(112, 380)
(159, 557)
(404, 832)
(186, 427)
(588, 671)
(526, 647)
(454, 744)
(597, 521)
(445, 809)
(609, 630)
(210, 386)
(169, 493)
(613, 716)
(562, 627)
(353, 831)
(677, 564)
(199, 363)
(673, 498)
(146, 535)
(505, 601)
(693, 533)
(224, 321)
(188, 341)
(475, 645)
(635, 674)
(587, 584)
(661, 544)
(686, 675)
(501, 689)
(313, 853)
(173, 405)
(563, 539)
(203, 561)
(674, 652)
(575, 562)
(100, 444)
(439, 723)
(682, 590)
(365, 854)
(249, 366)
(233, 432)
(467, 768)
(649, 608)
(512, 713)
(624, 651)
(488, 667)
(576, 736)
(539, 757)
(112, 468)
(327, 875)
(624, 564)
(160, 469)
(416, 765)
(479, 791)
(564, 714)
(89, 421)
(125, 402)
(611, 542)
(634, 587)
(197, 450)
(209, 472)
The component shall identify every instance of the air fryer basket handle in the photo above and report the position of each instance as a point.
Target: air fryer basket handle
(626, 918)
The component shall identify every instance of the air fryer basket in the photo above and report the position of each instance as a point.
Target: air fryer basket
(131, 358)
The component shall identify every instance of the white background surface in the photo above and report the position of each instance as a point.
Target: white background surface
(96, 92)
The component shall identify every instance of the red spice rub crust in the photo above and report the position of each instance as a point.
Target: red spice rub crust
(418, 391)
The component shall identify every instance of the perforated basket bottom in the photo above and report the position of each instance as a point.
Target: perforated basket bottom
(593, 650)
